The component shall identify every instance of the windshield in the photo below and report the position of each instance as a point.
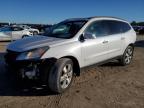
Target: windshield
(66, 29)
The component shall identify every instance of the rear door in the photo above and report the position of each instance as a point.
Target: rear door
(115, 38)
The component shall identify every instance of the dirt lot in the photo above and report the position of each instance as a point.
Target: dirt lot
(106, 86)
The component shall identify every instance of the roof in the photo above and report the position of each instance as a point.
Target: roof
(77, 19)
(89, 18)
(106, 17)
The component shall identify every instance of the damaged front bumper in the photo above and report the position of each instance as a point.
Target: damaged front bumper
(31, 69)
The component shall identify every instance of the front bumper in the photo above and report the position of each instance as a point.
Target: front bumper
(31, 69)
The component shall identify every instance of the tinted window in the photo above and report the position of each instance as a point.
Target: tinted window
(114, 27)
(98, 29)
(117, 27)
(125, 27)
(107, 27)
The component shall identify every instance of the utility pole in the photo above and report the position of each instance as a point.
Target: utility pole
(10, 32)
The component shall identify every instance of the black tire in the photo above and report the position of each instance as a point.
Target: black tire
(127, 56)
(45, 68)
(58, 80)
(24, 36)
(35, 33)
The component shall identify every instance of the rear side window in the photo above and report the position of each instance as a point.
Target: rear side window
(117, 27)
(107, 27)
(114, 26)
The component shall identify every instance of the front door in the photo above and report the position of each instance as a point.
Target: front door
(95, 48)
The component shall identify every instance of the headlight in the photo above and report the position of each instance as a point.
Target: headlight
(32, 54)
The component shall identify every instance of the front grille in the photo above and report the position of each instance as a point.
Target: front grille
(11, 56)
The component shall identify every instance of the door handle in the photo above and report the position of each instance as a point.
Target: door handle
(104, 42)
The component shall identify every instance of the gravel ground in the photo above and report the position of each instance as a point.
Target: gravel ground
(106, 86)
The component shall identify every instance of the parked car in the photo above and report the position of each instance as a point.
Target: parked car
(69, 46)
(32, 30)
(45, 28)
(13, 33)
(136, 28)
(141, 30)
(41, 27)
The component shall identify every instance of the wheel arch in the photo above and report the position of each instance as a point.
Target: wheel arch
(75, 63)
(131, 44)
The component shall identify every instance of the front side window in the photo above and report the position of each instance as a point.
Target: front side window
(66, 29)
(98, 29)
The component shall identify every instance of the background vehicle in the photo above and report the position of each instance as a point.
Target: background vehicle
(139, 29)
(13, 33)
(31, 30)
(69, 46)
(136, 28)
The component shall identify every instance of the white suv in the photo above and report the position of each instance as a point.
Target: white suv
(69, 46)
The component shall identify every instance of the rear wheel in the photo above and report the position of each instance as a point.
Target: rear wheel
(61, 75)
(24, 36)
(127, 56)
(35, 33)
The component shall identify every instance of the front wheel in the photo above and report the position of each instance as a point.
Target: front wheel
(127, 56)
(61, 75)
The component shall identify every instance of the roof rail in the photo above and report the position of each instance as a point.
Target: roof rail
(106, 17)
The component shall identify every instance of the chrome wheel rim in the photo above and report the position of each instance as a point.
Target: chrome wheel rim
(128, 55)
(66, 76)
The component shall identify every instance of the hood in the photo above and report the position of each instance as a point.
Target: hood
(32, 43)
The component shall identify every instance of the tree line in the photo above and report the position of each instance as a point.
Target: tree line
(134, 23)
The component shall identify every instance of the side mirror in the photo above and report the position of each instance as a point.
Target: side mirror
(89, 36)
(82, 38)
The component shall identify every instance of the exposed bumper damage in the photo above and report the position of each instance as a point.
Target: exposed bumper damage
(31, 69)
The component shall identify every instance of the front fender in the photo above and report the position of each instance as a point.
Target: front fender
(72, 49)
